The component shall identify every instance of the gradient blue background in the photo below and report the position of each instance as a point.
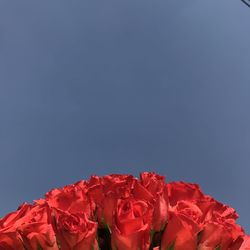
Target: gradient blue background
(96, 87)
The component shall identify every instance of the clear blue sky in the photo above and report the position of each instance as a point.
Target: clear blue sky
(96, 87)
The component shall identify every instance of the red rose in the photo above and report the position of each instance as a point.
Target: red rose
(33, 222)
(183, 191)
(75, 231)
(10, 241)
(26, 213)
(220, 228)
(219, 233)
(153, 182)
(141, 193)
(190, 211)
(95, 189)
(131, 225)
(14, 219)
(152, 188)
(113, 187)
(119, 184)
(72, 198)
(160, 215)
(37, 235)
(181, 230)
(211, 208)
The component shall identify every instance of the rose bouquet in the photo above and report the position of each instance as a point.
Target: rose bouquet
(123, 212)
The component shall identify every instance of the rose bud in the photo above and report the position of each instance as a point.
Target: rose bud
(152, 188)
(75, 231)
(113, 187)
(190, 211)
(131, 226)
(38, 235)
(26, 213)
(211, 208)
(219, 234)
(153, 182)
(180, 233)
(183, 191)
(10, 241)
(72, 198)
(95, 189)
(33, 222)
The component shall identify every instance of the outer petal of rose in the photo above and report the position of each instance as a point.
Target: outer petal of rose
(25, 214)
(38, 234)
(10, 241)
(71, 241)
(183, 191)
(160, 214)
(95, 190)
(87, 244)
(178, 233)
(15, 217)
(152, 181)
(211, 236)
(139, 240)
(246, 243)
(218, 234)
(75, 239)
(108, 207)
(71, 198)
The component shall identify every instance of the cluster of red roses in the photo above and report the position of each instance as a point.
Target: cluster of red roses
(122, 212)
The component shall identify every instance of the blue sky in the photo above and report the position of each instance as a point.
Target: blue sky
(98, 87)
